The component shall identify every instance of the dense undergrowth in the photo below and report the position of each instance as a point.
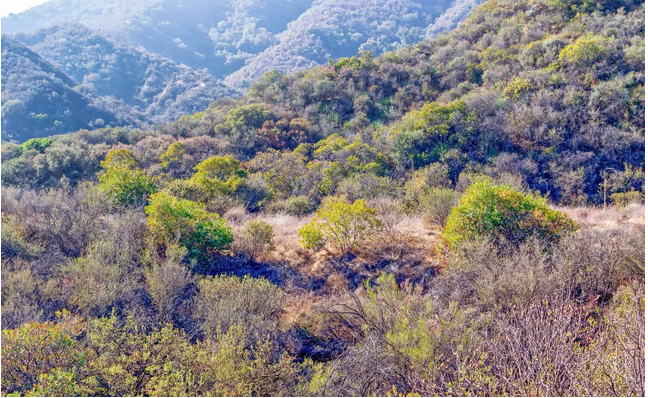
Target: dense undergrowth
(186, 260)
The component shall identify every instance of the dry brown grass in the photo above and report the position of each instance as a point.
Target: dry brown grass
(237, 215)
(610, 218)
(285, 232)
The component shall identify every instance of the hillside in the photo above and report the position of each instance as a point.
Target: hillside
(333, 29)
(223, 36)
(149, 83)
(464, 216)
(553, 105)
(40, 100)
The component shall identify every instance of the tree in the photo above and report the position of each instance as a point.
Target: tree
(219, 174)
(244, 122)
(124, 181)
(341, 223)
(173, 156)
(171, 219)
(505, 215)
(38, 144)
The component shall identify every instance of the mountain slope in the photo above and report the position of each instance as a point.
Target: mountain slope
(40, 100)
(148, 82)
(225, 35)
(334, 29)
(217, 35)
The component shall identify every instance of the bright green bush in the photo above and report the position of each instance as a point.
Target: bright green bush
(189, 223)
(517, 88)
(584, 51)
(38, 144)
(311, 237)
(341, 223)
(504, 214)
(219, 174)
(172, 156)
(124, 181)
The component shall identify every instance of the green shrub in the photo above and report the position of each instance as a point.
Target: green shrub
(342, 224)
(38, 144)
(517, 88)
(219, 174)
(187, 189)
(297, 206)
(173, 156)
(584, 51)
(257, 237)
(623, 199)
(504, 214)
(189, 223)
(123, 180)
(311, 237)
(226, 301)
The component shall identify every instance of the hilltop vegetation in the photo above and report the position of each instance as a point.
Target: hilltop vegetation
(419, 222)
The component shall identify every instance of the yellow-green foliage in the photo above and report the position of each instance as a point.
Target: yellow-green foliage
(341, 223)
(219, 174)
(37, 144)
(433, 117)
(623, 199)
(122, 178)
(502, 213)
(172, 156)
(34, 350)
(199, 231)
(517, 88)
(353, 63)
(584, 51)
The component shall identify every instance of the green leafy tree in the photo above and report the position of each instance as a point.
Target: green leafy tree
(341, 223)
(504, 214)
(124, 181)
(425, 135)
(219, 174)
(171, 219)
(38, 144)
(243, 123)
(173, 156)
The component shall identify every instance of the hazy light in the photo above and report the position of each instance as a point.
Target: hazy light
(16, 6)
